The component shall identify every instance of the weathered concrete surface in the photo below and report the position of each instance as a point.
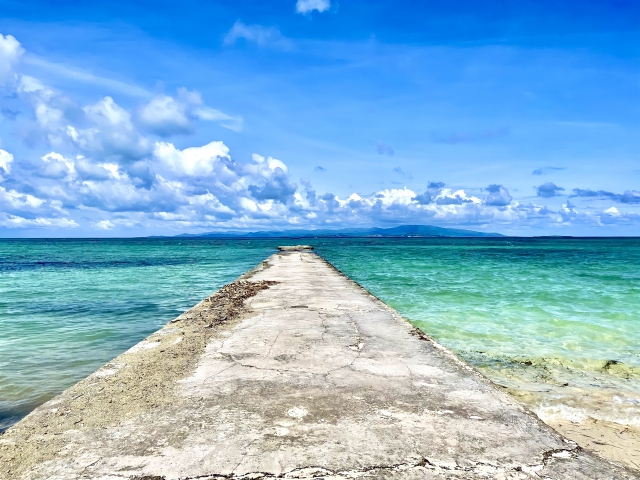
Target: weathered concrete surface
(315, 378)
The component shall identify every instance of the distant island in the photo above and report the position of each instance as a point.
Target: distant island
(403, 231)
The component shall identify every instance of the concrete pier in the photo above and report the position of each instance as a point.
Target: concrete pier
(294, 371)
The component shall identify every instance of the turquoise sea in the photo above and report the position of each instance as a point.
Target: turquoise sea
(556, 321)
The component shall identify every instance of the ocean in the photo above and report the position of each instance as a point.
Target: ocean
(555, 322)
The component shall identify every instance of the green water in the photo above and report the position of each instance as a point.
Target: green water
(555, 320)
(69, 306)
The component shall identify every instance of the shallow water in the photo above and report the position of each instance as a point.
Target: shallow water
(556, 321)
(69, 306)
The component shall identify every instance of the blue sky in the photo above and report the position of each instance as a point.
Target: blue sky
(138, 118)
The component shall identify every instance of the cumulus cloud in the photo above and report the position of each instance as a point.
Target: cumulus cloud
(58, 167)
(201, 161)
(16, 221)
(111, 134)
(272, 176)
(430, 195)
(200, 187)
(5, 162)
(104, 225)
(307, 6)
(277, 187)
(102, 167)
(498, 196)
(629, 196)
(10, 53)
(104, 127)
(548, 190)
(258, 34)
(458, 197)
(51, 111)
(166, 116)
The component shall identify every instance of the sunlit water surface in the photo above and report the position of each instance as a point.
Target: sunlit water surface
(556, 321)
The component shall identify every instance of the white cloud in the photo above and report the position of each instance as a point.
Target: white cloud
(261, 36)
(86, 77)
(16, 200)
(5, 161)
(16, 221)
(264, 167)
(49, 118)
(446, 197)
(112, 133)
(31, 85)
(57, 166)
(191, 161)
(166, 116)
(106, 113)
(104, 225)
(102, 172)
(10, 54)
(102, 133)
(498, 196)
(230, 122)
(612, 211)
(306, 6)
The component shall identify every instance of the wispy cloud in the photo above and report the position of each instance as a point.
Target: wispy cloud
(384, 149)
(87, 77)
(260, 35)
(105, 165)
(629, 196)
(401, 172)
(307, 6)
(546, 170)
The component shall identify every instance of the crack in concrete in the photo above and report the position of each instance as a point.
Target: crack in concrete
(408, 369)
(89, 466)
(215, 430)
(246, 452)
(237, 362)
(216, 374)
(322, 317)
(316, 471)
(272, 345)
